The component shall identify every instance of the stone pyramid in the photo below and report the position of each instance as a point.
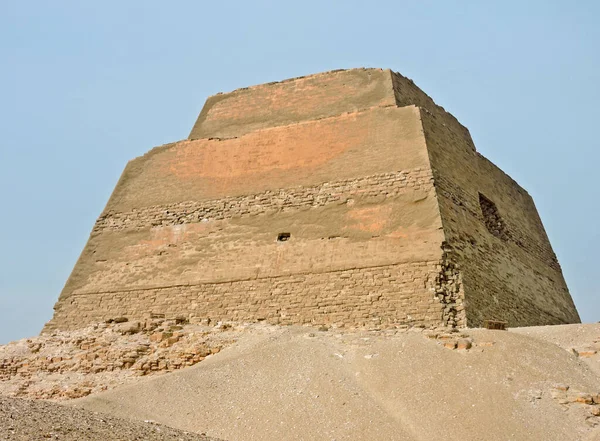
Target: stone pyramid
(346, 198)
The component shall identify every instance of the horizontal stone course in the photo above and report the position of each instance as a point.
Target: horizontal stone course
(380, 185)
(311, 97)
(378, 296)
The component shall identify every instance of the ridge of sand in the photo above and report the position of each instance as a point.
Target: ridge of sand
(297, 384)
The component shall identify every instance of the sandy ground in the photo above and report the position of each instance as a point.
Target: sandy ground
(300, 384)
(573, 338)
(26, 420)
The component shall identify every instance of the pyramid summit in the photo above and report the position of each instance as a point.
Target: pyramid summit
(347, 198)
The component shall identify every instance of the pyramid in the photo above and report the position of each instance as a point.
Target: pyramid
(345, 198)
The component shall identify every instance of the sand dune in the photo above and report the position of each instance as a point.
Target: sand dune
(298, 384)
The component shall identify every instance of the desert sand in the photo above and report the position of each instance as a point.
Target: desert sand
(296, 383)
(28, 420)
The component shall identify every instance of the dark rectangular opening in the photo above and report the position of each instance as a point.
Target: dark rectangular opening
(492, 219)
(282, 237)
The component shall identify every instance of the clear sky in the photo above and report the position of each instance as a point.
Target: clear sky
(86, 86)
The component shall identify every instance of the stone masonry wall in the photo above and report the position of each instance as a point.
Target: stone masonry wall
(407, 93)
(282, 103)
(377, 297)
(384, 184)
(416, 287)
(348, 146)
(509, 273)
(370, 221)
(348, 197)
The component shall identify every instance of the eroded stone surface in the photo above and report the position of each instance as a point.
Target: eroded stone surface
(346, 198)
(73, 364)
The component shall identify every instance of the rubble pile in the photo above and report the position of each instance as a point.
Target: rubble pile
(73, 364)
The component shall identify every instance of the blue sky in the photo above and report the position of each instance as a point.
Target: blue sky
(86, 86)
